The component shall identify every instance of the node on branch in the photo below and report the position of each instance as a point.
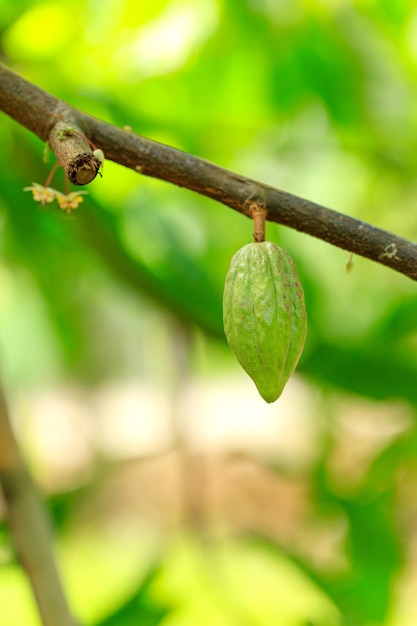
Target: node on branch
(74, 153)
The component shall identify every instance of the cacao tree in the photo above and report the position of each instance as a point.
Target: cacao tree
(277, 112)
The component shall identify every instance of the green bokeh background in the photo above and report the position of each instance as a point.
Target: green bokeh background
(317, 97)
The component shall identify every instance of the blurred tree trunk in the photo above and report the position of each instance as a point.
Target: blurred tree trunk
(30, 528)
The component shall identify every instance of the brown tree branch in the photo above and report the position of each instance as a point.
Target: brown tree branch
(43, 114)
(29, 528)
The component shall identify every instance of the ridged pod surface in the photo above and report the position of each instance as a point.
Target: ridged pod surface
(264, 315)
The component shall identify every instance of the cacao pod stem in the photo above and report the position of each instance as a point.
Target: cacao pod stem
(259, 214)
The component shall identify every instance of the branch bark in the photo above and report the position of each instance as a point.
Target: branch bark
(44, 115)
(29, 528)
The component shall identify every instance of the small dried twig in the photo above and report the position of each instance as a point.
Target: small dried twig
(74, 153)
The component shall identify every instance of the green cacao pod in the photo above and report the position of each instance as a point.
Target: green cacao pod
(264, 315)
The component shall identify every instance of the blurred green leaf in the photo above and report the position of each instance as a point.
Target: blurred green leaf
(179, 283)
(381, 371)
(140, 607)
